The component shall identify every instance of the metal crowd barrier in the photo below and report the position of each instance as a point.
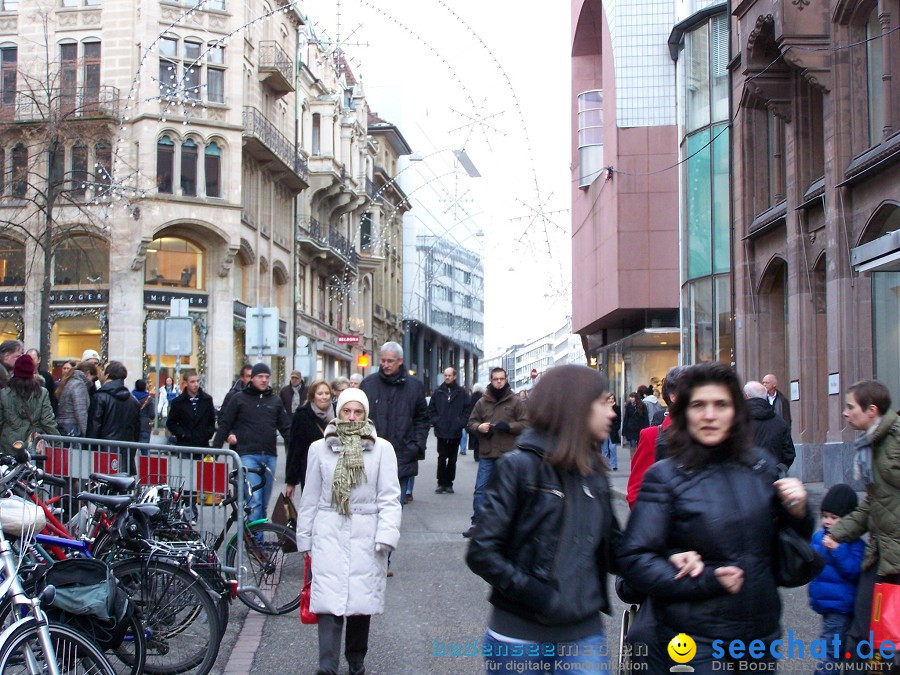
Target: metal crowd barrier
(201, 475)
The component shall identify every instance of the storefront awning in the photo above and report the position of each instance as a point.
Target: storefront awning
(332, 350)
(881, 255)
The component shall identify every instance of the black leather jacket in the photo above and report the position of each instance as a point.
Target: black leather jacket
(729, 513)
(517, 547)
(115, 414)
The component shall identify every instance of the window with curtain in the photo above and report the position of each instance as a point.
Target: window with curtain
(165, 164)
(212, 164)
(189, 168)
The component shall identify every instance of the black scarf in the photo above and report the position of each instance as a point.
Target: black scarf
(396, 378)
(498, 394)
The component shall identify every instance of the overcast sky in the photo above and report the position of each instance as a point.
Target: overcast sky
(505, 63)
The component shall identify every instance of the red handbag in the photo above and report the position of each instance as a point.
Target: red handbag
(885, 624)
(307, 616)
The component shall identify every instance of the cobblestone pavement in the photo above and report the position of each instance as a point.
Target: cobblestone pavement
(434, 605)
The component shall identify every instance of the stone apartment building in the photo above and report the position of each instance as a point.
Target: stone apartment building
(817, 209)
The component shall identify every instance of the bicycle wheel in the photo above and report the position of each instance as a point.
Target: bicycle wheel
(130, 656)
(180, 618)
(277, 574)
(75, 654)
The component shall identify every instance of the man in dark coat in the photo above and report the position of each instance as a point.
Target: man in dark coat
(293, 395)
(776, 399)
(398, 410)
(192, 415)
(239, 385)
(449, 412)
(115, 414)
(770, 431)
(250, 422)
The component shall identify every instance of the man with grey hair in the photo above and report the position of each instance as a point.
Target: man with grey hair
(398, 410)
(10, 350)
(769, 430)
(355, 380)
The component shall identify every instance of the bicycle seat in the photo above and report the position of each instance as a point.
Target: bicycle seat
(120, 482)
(114, 502)
(149, 510)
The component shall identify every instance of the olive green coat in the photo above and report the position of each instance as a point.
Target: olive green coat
(14, 424)
(879, 512)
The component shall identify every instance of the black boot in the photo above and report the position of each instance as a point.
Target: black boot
(357, 669)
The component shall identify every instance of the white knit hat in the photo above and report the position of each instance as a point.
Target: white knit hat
(352, 394)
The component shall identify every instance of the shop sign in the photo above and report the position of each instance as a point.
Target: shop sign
(12, 299)
(79, 297)
(348, 339)
(165, 298)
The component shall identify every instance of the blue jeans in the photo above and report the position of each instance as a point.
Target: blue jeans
(545, 658)
(463, 441)
(259, 500)
(609, 451)
(485, 471)
(832, 623)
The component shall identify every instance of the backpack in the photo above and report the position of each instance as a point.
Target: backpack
(88, 597)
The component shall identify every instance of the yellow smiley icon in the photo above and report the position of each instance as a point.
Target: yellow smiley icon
(682, 648)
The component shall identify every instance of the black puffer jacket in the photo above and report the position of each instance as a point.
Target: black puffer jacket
(192, 428)
(727, 513)
(306, 429)
(254, 416)
(518, 547)
(771, 432)
(398, 410)
(115, 414)
(449, 411)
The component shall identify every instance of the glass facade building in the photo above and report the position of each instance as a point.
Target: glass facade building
(706, 290)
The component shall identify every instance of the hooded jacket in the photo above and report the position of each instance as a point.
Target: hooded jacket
(398, 410)
(545, 543)
(115, 414)
(254, 417)
(449, 410)
(834, 590)
(348, 575)
(14, 423)
(771, 432)
(192, 428)
(508, 416)
(879, 512)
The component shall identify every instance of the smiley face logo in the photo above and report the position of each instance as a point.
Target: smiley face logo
(682, 648)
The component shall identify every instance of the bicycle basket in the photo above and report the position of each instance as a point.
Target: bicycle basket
(18, 515)
(88, 598)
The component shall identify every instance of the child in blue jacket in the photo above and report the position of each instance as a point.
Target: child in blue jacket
(833, 592)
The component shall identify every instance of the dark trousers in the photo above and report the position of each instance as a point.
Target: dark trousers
(448, 450)
(356, 643)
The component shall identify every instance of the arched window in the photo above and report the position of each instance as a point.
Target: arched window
(81, 261)
(212, 164)
(165, 164)
(12, 263)
(189, 168)
(316, 133)
(874, 74)
(79, 169)
(19, 170)
(103, 166)
(176, 262)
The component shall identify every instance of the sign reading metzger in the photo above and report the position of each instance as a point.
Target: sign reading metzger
(79, 297)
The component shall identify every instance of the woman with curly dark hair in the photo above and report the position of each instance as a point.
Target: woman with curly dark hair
(720, 497)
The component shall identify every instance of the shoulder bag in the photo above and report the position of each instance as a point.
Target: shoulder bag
(794, 560)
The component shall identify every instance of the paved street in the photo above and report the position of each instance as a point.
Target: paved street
(432, 601)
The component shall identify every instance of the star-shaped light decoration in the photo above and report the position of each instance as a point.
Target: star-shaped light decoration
(479, 121)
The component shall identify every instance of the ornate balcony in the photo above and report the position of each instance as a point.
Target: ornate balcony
(263, 141)
(327, 238)
(67, 103)
(276, 68)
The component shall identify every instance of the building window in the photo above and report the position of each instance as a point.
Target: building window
(176, 262)
(181, 70)
(189, 168)
(9, 5)
(365, 232)
(316, 133)
(68, 60)
(79, 170)
(874, 74)
(165, 164)
(103, 166)
(212, 165)
(91, 75)
(590, 136)
(81, 261)
(776, 168)
(80, 3)
(8, 71)
(56, 159)
(19, 181)
(12, 263)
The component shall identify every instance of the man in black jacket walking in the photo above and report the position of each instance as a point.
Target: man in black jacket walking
(770, 431)
(192, 415)
(449, 412)
(398, 410)
(250, 422)
(115, 414)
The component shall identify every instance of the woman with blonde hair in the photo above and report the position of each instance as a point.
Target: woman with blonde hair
(307, 426)
(349, 519)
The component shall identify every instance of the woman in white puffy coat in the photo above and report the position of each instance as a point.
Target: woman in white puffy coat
(349, 519)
